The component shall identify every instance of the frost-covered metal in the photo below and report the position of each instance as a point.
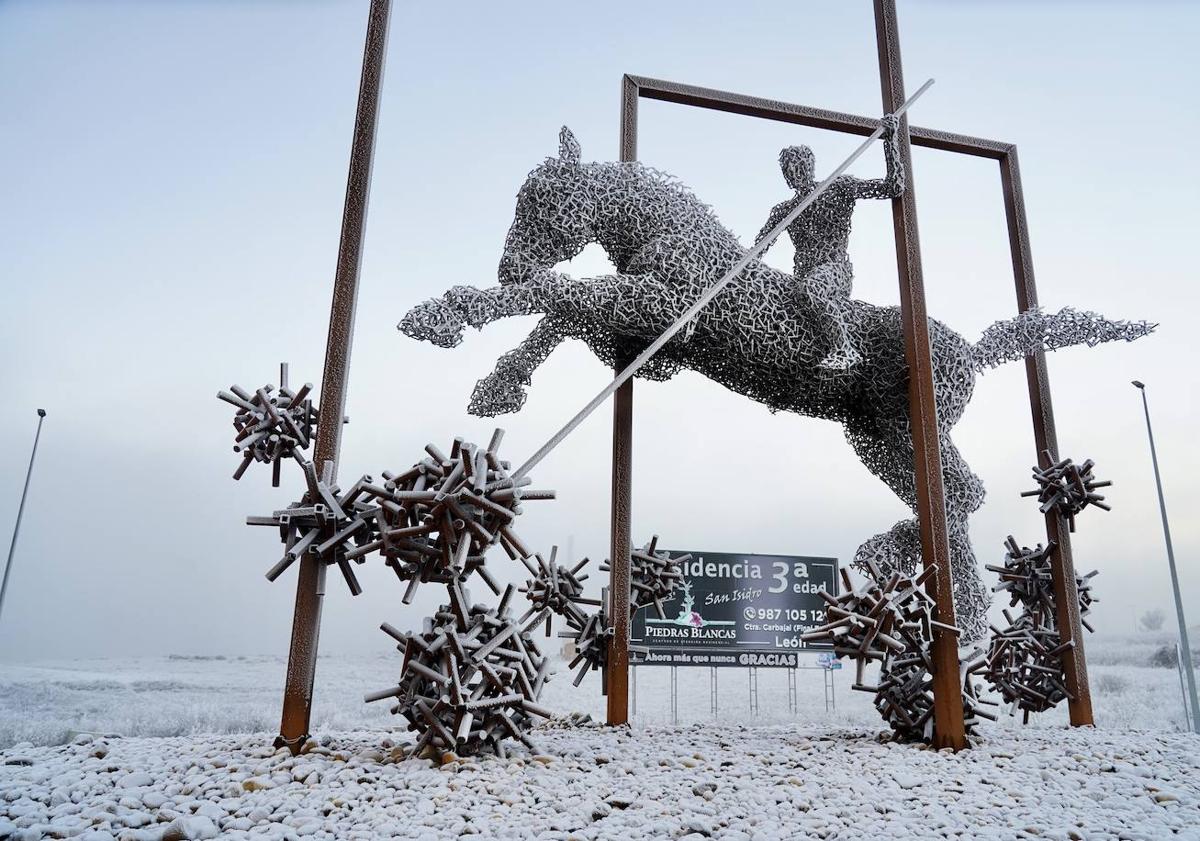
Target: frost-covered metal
(558, 590)
(821, 238)
(472, 678)
(889, 620)
(469, 681)
(272, 424)
(1024, 659)
(653, 576)
(1067, 488)
(766, 336)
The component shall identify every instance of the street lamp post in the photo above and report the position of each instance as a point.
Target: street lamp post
(21, 510)
(1186, 654)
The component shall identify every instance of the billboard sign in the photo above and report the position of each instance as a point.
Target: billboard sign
(737, 610)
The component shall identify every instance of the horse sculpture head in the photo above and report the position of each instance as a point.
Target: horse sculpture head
(554, 215)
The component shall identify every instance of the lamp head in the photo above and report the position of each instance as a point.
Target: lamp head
(1139, 383)
(41, 413)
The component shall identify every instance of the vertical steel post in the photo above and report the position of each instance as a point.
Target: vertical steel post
(1045, 436)
(949, 726)
(1186, 654)
(12, 547)
(310, 585)
(622, 482)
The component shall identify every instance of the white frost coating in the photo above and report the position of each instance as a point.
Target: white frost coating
(729, 783)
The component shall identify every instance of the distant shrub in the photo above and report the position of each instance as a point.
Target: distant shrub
(1167, 657)
(1110, 684)
(1152, 620)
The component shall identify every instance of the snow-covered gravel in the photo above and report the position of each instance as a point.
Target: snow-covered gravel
(695, 782)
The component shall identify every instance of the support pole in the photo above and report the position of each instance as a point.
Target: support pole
(1184, 643)
(622, 483)
(619, 551)
(310, 585)
(1045, 437)
(949, 726)
(12, 547)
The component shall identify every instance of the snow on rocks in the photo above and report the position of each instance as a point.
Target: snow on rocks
(724, 782)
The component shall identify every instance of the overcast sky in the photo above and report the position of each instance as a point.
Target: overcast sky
(171, 183)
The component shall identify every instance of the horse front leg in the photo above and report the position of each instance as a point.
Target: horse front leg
(440, 321)
(503, 390)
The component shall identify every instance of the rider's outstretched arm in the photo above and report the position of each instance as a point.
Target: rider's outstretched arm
(777, 213)
(893, 185)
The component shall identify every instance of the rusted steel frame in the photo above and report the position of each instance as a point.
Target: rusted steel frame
(805, 115)
(1005, 154)
(310, 585)
(617, 672)
(1062, 566)
(949, 727)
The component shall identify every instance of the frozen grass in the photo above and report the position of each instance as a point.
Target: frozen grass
(46, 703)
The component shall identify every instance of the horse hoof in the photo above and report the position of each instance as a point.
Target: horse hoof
(435, 321)
(494, 395)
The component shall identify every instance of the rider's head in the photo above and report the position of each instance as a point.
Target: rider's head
(798, 164)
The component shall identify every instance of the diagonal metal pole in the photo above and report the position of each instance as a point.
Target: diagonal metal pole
(948, 723)
(310, 587)
(12, 547)
(1186, 654)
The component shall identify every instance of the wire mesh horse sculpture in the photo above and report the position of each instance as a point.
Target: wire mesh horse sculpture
(757, 338)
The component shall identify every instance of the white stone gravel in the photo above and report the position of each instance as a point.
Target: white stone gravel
(728, 782)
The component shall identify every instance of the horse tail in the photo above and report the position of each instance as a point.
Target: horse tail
(1037, 330)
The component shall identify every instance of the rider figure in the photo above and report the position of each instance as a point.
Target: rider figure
(821, 236)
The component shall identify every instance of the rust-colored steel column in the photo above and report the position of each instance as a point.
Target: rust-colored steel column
(1062, 565)
(617, 676)
(310, 586)
(949, 727)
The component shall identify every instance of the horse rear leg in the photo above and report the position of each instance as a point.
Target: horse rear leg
(888, 453)
(503, 390)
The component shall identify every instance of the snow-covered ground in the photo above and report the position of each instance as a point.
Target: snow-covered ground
(707, 780)
(773, 775)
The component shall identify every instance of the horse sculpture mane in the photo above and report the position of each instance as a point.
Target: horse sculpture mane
(755, 338)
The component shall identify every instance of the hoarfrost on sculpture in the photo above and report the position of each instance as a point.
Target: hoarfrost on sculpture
(758, 337)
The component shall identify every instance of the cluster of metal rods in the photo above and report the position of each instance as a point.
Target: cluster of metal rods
(554, 589)
(470, 680)
(890, 620)
(1024, 661)
(327, 523)
(272, 424)
(439, 518)
(1067, 488)
(653, 576)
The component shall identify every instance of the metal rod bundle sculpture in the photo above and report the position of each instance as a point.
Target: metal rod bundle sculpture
(1067, 488)
(889, 619)
(1024, 661)
(470, 680)
(472, 677)
(271, 424)
(653, 577)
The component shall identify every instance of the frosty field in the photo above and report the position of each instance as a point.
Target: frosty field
(46, 703)
(179, 747)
